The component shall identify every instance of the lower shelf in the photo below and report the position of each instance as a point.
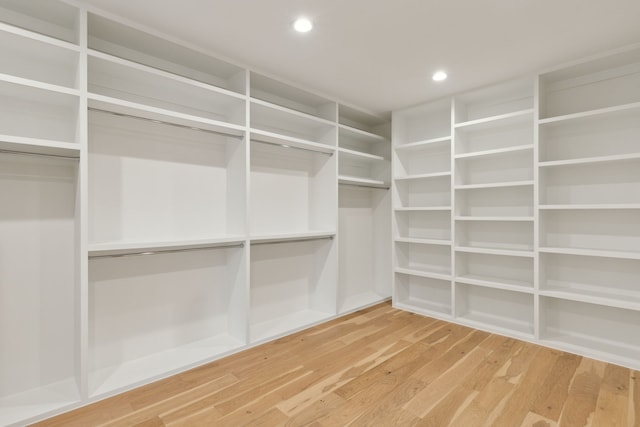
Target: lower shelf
(593, 330)
(358, 301)
(498, 310)
(424, 295)
(133, 372)
(286, 324)
(39, 401)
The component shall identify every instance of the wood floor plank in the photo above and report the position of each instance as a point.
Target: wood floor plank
(612, 407)
(459, 399)
(381, 367)
(555, 388)
(527, 382)
(634, 396)
(583, 394)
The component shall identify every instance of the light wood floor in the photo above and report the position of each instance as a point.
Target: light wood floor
(382, 367)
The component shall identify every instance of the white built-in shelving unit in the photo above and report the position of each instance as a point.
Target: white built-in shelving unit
(545, 214)
(164, 208)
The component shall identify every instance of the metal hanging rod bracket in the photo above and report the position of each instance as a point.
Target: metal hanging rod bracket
(162, 122)
(276, 241)
(293, 147)
(27, 153)
(167, 251)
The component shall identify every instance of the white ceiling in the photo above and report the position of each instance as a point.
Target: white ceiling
(380, 54)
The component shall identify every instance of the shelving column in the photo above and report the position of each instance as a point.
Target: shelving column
(364, 209)
(422, 203)
(40, 148)
(493, 214)
(293, 208)
(167, 207)
(589, 158)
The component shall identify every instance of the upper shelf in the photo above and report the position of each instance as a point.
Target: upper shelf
(51, 18)
(370, 125)
(501, 120)
(149, 49)
(591, 86)
(495, 106)
(416, 125)
(291, 98)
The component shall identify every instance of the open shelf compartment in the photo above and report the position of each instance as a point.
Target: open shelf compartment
(364, 232)
(127, 81)
(292, 190)
(151, 183)
(606, 81)
(423, 193)
(495, 202)
(615, 231)
(150, 316)
(423, 258)
(494, 270)
(30, 112)
(422, 123)
(293, 285)
(494, 101)
(52, 18)
(591, 279)
(39, 309)
(506, 235)
(594, 330)
(122, 41)
(495, 309)
(592, 138)
(424, 295)
(31, 59)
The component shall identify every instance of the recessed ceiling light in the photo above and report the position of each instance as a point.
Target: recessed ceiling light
(302, 25)
(439, 76)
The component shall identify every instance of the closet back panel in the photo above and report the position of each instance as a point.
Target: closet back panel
(38, 304)
(150, 182)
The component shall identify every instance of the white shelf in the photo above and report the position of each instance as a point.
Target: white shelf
(288, 141)
(291, 112)
(39, 146)
(118, 378)
(156, 72)
(39, 85)
(422, 294)
(292, 237)
(418, 145)
(514, 253)
(423, 241)
(424, 209)
(609, 298)
(603, 206)
(495, 218)
(286, 324)
(590, 160)
(46, 399)
(27, 34)
(361, 134)
(420, 273)
(500, 120)
(354, 180)
(360, 155)
(495, 282)
(495, 152)
(495, 185)
(590, 252)
(595, 330)
(126, 248)
(423, 176)
(359, 301)
(133, 109)
(504, 311)
(51, 19)
(591, 113)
